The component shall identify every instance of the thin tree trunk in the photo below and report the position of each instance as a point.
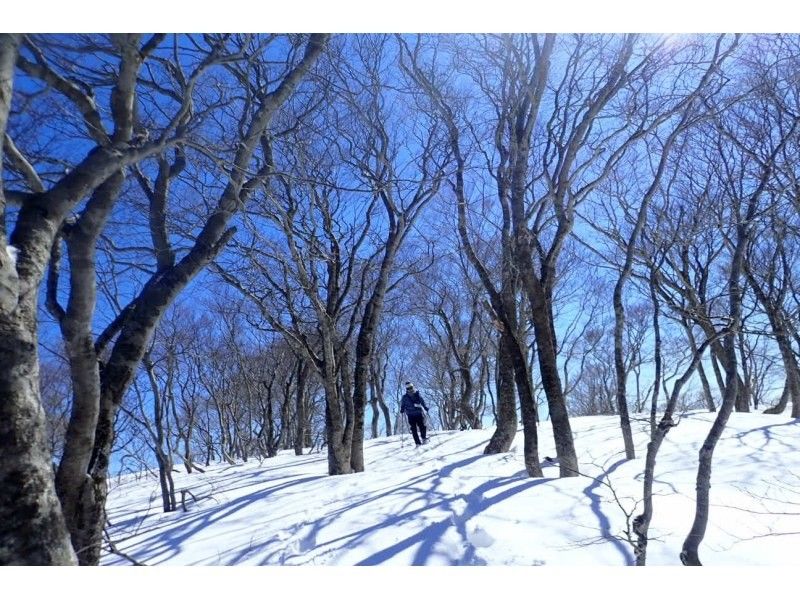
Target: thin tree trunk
(712, 408)
(373, 402)
(270, 422)
(656, 352)
(301, 409)
(76, 329)
(745, 383)
(528, 408)
(641, 523)
(551, 383)
(780, 407)
(163, 457)
(690, 552)
(782, 337)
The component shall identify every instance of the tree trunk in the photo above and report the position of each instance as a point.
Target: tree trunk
(780, 407)
(690, 551)
(657, 358)
(551, 382)
(619, 357)
(780, 329)
(746, 381)
(346, 397)
(76, 330)
(641, 523)
(712, 408)
(506, 429)
(528, 408)
(365, 343)
(373, 402)
(302, 404)
(32, 526)
(720, 357)
(338, 450)
(378, 390)
(270, 423)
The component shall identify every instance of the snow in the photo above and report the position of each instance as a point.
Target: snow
(12, 253)
(448, 504)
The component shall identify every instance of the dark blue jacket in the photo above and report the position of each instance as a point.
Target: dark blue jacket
(412, 404)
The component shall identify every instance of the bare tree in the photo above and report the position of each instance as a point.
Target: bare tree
(760, 133)
(137, 133)
(337, 213)
(32, 525)
(379, 369)
(433, 79)
(769, 268)
(641, 523)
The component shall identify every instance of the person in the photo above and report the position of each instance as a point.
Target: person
(412, 405)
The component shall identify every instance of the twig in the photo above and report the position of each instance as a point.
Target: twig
(112, 548)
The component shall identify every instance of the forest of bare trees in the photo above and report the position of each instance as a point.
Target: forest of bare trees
(216, 247)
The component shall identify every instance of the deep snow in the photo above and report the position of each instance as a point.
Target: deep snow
(448, 504)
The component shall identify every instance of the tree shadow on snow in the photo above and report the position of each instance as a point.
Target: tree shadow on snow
(423, 495)
(426, 540)
(169, 543)
(768, 433)
(597, 508)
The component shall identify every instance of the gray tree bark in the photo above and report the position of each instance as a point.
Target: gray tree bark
(506, 425)
(32, 527)
(301, 409)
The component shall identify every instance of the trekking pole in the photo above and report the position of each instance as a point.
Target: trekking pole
(402, 436)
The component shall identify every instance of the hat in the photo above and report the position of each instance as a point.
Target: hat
(409, 385)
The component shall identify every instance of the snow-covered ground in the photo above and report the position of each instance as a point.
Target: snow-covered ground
(448, 504)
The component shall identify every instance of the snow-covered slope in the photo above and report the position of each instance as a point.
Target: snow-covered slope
(448, 504)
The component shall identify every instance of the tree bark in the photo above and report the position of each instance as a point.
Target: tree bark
(641, 523)
(365, 343)
(780, 407)
(506, 427)
(76, 330)
(32, 526)
(301, 407)
(690, 552)
(780, 329)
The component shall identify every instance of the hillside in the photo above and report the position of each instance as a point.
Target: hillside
(447, 504)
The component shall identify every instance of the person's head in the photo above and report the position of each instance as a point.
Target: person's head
(409, 387)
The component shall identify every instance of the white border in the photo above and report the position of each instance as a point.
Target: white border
(347, 16)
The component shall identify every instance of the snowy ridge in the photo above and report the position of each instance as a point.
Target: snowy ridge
(448, 504)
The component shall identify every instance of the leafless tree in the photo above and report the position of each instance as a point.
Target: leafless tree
(458, 329)
(759, 132)
(174, 78)
(327, 237)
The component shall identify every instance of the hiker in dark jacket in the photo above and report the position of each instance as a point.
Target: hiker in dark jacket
(412, 405)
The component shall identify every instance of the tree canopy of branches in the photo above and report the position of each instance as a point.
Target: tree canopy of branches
(529, 226)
